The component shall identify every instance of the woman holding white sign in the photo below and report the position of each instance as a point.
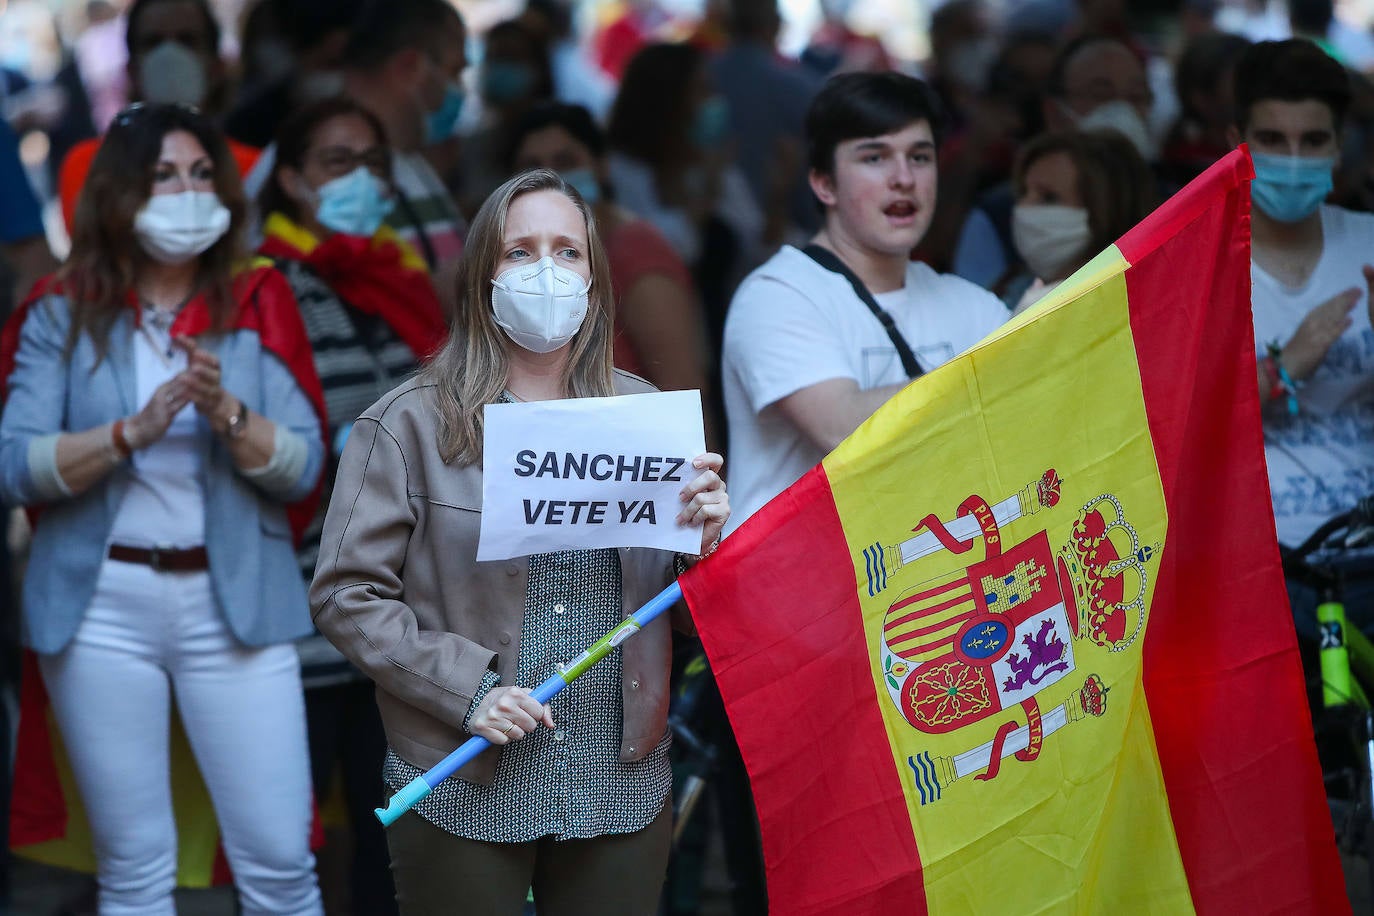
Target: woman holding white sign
(577, 809)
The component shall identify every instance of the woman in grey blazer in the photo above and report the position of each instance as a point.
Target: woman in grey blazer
(161, 415)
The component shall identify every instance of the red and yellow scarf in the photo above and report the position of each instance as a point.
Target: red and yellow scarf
(381, 275)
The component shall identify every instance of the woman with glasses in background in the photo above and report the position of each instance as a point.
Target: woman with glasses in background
(163, 413)
(372, 317)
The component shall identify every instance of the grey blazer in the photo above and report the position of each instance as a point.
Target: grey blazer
(252, 564)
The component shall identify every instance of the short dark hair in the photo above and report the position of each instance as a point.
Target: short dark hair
(293, 140)
(138, 7)
(386, 27)
(574, 119)
(1295, 70)
(853, 105)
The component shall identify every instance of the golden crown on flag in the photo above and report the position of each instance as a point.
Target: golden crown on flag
(1103, 571)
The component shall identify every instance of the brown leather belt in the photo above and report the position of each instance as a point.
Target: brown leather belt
(163, 559)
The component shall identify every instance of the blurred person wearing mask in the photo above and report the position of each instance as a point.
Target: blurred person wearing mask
(671, 164)
(173, 48)
(659, 327)
(807, 358)
(160, 411)
(1098, 82)
(1076, 194)
(963, 45)
(514, 76)
(1311, 279)
(291, 53)
(403, 62)
(1203, 79)
(372, 318)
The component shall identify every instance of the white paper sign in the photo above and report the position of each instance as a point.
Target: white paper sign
(589, 472)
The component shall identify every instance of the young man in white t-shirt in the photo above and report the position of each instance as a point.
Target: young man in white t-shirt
(1311, 278)
(805, 360)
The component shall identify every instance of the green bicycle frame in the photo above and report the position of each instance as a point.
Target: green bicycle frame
(1341, 649)
(1335, 656)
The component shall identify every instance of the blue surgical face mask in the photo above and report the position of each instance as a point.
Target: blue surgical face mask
(440, 123)
(506, 81)
(585, 182)
(1290, 188)
(355, 204)
(711, 124)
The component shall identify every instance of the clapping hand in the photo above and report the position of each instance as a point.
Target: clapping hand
(201, 375)
(150, 424)
(1321, 328)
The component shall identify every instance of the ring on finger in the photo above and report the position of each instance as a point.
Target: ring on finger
(508, 728)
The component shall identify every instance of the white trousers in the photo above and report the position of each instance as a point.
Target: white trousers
(149, 635)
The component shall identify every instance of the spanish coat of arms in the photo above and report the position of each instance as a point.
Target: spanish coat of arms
(1011, 631)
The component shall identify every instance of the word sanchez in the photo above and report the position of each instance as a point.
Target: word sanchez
(641, 468)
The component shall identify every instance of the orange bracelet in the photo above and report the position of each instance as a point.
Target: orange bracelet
(121, 444)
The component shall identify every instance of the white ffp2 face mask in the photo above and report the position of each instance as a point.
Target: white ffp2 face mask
(174, 228)
(1051, 239)
(540, 306)
(1122, 117)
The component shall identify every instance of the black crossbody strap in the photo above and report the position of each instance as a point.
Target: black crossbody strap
(830, 262)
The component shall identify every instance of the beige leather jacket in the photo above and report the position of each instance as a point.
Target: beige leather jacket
(398, 589)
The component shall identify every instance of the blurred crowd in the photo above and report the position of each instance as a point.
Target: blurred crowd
(1060, 125)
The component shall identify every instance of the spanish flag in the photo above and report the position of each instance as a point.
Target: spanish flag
(1021, 643)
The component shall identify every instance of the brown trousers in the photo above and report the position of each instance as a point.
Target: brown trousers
(439, 874)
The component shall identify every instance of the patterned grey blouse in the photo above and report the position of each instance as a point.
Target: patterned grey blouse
(569, 783)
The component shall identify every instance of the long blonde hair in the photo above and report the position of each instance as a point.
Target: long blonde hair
(470, 372)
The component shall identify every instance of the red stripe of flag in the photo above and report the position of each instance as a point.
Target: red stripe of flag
(829, 719)
(929, 593)
(1222, 675)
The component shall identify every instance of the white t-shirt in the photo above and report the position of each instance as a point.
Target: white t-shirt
(1322, 460)
(164, 505)
(792, 324)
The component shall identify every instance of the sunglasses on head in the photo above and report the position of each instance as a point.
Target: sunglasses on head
(134, 112)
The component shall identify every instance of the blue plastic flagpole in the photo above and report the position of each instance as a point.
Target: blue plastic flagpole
(423, 784)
